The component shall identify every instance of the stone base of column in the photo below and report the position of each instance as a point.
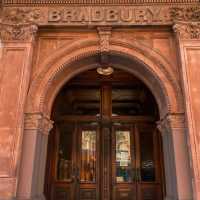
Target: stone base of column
(38, 197)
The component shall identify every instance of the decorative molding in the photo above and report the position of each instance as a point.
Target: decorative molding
(191, 13)
(18, 32)
(95, 2)
(104, 43)
(104, 38)
(171, 122)
(101, 15)
(187, 30)
(37, 122)
(22, 15)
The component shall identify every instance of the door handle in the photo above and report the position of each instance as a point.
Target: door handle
(77, 174)
(138, 174)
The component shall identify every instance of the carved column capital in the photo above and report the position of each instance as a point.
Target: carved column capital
(37, 122)
(18, 32)
(187, 30)
(171, 122)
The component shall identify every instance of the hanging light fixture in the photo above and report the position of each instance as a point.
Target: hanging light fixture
(105, 71)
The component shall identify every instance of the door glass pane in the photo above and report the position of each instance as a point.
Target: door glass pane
(88, 156)
(123, 156)
(147, 157)
(64, 167)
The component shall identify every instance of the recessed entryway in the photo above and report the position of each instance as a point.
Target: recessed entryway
(105, 143)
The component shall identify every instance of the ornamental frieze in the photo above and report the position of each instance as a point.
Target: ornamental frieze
(104, 15)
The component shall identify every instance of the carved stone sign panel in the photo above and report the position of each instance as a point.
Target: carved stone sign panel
(104, 15)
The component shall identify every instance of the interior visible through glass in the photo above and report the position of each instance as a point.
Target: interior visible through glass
(147, 157)
(64, 167)
(88, 156)
(123, 156)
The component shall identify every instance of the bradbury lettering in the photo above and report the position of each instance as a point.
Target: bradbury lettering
(106, 15)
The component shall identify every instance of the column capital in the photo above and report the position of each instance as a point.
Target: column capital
(18, 32)
(38, 122)
(187, 30)
(171, 122)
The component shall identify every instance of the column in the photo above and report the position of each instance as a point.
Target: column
(176, 157)
(17, 42)
(32, 170)
(188, 39)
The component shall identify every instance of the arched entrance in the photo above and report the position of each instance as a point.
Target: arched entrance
(132, 57)
(105, 143)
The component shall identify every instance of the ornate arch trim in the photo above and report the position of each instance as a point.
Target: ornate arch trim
(67, 60)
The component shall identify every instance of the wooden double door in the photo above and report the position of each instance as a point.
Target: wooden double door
(106, 160)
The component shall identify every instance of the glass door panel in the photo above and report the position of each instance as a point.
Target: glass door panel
(123, 156)
(88, 160)
(147, 163)
(124, 161)
(65, 148)
(88, 156)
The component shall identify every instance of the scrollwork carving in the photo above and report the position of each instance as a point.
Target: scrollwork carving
(104, 37)
(187, 30)
(19, 24)
(104, 43)
(185, 14)
(21, 16)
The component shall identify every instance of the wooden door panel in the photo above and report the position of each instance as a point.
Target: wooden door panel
(149, 192)
(88, 194)
(62, 193)
(125, 193)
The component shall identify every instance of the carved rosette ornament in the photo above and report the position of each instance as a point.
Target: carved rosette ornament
(187, 30)
(37, 122)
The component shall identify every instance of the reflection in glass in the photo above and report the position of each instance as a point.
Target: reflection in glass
(123, 156)
(88, 156)
(64, 168)
(147, 157)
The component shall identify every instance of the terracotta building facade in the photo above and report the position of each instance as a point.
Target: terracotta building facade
(136, 132)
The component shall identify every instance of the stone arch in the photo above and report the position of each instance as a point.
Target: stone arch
(50, 79)
(68, 61)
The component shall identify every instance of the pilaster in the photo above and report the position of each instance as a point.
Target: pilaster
(36, 130)
(176, 158)
(15, 67)
(188, 40)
